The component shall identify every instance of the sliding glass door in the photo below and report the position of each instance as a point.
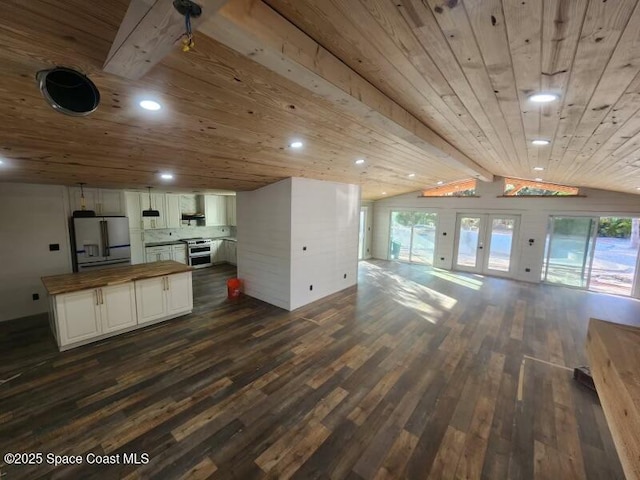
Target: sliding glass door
(615, 256)
(570, 244)
(413, 236)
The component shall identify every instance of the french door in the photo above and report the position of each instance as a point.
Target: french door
(485, 243)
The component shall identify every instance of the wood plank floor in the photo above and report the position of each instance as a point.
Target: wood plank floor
(413, 374)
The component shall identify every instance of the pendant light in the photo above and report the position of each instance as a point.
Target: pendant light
(150, 212)
(83, 212)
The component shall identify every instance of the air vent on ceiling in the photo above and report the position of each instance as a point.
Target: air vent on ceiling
(68, 91)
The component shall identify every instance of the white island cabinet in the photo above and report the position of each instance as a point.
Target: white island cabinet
(163, 297)
(88, 313)
(89, 306)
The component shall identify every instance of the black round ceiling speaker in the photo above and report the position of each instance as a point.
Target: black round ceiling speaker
(68, 91)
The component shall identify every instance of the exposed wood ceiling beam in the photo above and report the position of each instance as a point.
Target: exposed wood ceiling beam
(149, 31)
(254, 29)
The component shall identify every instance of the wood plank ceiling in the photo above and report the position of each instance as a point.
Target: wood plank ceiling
(464, 69)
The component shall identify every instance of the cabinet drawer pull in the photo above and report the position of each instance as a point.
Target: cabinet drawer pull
(97, 297)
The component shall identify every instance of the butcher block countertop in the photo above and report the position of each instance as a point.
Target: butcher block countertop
(73, 282)
(614, 356)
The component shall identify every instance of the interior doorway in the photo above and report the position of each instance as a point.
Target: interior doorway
(362, 234)
(486, 243)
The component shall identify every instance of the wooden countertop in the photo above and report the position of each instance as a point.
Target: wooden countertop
(614, 355)
(73, 282)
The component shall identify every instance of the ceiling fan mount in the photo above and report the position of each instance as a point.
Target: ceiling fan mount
(187, 7)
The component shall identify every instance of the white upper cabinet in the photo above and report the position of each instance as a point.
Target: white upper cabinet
(157, 203)
(110, 202)
(215, 210)
(101, 201)
(136, 238)
(231, 210)
(174, 216)
(133, 210)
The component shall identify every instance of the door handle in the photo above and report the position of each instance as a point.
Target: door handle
(107, 246)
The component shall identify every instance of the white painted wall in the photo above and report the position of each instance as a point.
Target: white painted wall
(534, 214)
(324, 239)
(264, 242)
(295, 234)
(31, 218)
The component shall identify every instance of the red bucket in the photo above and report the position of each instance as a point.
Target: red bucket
(234, 287)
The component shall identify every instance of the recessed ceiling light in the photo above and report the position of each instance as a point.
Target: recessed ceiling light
(540, 141)
(166, 176)
(543, 97)
(296, 144)
(150, 105)
(411, 175)
(1, 162)
(440, 182)
(538, 169)
(637, 188)
(360, 161)
(384, 193)
(538, 179)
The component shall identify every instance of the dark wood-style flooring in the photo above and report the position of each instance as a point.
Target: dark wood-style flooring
(413, 374)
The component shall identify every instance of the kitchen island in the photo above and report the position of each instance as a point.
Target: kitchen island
(614, 356)
(89, 306)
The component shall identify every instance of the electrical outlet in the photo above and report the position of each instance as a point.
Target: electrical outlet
(527, 269)
(442, 259)
(54, 247)
(35, 297)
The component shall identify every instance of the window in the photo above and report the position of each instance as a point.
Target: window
(465, 188)
(517, 187)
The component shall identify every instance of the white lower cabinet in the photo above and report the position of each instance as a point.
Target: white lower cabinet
(78, 316)
(163, 296)
(179, 253)
(179, 293)
(89, 313)
(150, 299)
(118, 307)
(158, 254)
(232, 252)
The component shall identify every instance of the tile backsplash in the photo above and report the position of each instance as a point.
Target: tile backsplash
(171, 234)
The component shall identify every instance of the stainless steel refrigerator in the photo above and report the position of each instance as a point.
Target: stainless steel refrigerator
(100, 242)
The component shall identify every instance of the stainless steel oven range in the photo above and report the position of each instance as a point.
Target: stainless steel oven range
(198, 252)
